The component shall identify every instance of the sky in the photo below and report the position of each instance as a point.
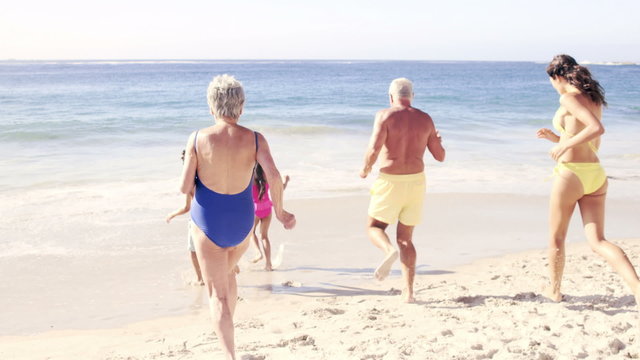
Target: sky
(518, 30)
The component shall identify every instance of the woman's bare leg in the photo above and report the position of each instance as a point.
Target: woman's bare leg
(254, 239)
(235, 254)
(214, 263)
(264, 235)
(592, 211)
(407, 259)
(565, 192)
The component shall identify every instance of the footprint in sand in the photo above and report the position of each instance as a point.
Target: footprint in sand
(394, 291)
(470, 300)
(323, 313)
(253, 357)
(302, 340)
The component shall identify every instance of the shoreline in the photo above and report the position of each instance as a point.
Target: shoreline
(482, 303)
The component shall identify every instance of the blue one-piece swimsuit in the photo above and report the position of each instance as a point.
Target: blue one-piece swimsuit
(225, 219)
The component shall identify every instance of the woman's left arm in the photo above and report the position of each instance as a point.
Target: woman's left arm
(575, 104)
(275, 183)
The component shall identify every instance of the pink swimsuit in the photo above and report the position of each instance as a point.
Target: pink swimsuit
(262, 207)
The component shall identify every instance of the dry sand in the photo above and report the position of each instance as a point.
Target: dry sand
(484, 310)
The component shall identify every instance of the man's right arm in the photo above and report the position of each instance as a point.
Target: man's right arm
(378, 138)
(435, 144)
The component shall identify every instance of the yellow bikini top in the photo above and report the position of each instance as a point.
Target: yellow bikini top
(556, 124)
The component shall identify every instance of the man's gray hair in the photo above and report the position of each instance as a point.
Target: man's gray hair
(225, 96)
(401, 88)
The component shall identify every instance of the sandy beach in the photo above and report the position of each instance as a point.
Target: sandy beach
(485, 310)
(474, 302)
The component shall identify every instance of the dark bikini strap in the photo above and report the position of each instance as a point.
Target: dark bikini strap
(256, 134)
(195, 142)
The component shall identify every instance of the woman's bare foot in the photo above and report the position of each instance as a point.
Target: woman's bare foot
(257, 258)
(268, 267)
(551, 294)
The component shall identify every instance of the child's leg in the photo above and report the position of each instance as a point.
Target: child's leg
(194, 258)
(254, 240)
(264, 235)
(196, 267)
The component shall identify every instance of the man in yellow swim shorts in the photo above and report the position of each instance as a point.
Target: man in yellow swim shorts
(401, 134)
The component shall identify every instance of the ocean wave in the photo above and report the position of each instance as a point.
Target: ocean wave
(609, 63)
(303, 130)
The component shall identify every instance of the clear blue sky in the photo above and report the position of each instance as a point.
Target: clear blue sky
(595, 30)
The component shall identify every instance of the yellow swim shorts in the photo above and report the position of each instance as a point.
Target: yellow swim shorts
(398, 198)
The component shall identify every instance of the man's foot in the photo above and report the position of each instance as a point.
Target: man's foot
(551, 294)
(407, 297)
(268, 267)
(257, 258)
(383, 269)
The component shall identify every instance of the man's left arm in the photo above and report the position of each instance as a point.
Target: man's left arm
(378, 138)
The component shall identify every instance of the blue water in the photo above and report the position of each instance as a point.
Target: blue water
(90, 159)
(74, 122)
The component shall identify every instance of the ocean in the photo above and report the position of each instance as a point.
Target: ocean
(99, 122)
(91, 152)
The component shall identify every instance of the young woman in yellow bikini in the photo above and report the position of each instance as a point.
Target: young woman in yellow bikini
(579, 178)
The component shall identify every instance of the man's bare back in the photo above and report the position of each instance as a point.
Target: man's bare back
(401, 134)
(407, 135)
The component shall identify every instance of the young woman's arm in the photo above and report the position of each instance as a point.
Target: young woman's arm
(593, 128)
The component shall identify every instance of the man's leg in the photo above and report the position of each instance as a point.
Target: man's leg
(407, 259)
(379, 238)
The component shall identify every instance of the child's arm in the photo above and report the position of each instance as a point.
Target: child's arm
(286, 181)
(183, 210)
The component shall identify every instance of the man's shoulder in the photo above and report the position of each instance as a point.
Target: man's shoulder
(420, 113)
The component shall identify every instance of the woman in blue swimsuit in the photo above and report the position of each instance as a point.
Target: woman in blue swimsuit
(219, 163)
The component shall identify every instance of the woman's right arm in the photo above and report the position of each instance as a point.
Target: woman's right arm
(190, 164)
(276, 187)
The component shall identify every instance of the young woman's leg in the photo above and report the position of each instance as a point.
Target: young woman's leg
(565, 192)
(592, 211)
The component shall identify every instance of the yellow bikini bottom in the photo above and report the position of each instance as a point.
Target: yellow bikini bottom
(591, 175)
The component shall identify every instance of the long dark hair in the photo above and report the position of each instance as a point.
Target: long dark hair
(578, 76)
(260, 181)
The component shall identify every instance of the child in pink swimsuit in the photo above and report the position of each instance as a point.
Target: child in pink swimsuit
(262, 205)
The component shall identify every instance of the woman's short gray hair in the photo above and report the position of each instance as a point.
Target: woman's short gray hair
(402, 88)
(225, 96)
